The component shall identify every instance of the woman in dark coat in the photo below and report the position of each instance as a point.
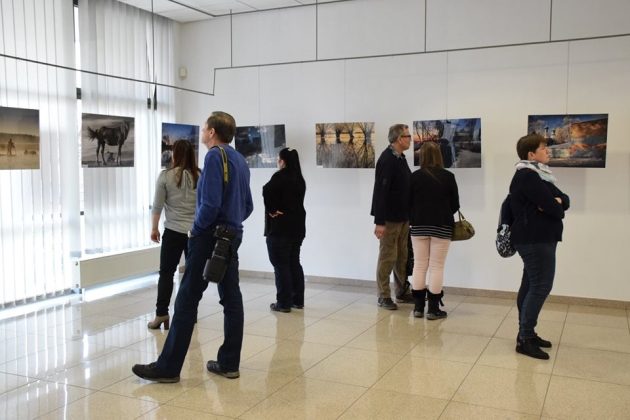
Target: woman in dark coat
(285, 229)
(538, 208)
(434, 199)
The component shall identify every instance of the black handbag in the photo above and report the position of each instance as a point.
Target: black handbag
(463, 229)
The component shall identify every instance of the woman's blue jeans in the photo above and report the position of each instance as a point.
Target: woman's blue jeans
(539, 269)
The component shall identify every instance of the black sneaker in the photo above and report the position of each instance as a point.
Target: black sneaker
(529, 347)
(387, 303)
(214, 367)
(278, 308)
(151, 373)
(297, 306)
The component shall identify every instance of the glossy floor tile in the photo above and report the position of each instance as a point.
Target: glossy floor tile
(339, 357)
(516, 390)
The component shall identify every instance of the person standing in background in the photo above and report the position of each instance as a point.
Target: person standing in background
(390, 208)
(434, 200)
(538, 207)
(285, 229)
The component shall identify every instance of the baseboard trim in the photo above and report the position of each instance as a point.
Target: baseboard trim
(465, 291)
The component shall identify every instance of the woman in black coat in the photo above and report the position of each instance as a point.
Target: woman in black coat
(538, 208)
(434, 199)
(285, 229)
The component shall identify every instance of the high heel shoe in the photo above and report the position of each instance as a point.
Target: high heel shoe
(158, 321)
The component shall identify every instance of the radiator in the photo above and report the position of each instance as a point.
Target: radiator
(102, 269)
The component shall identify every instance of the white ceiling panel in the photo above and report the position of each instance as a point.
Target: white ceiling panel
(179, 12)
(270, 4)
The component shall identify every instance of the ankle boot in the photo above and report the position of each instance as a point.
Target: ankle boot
(435, 299)
(158, 321)
(419, 297)
(540, 342)
(529, 347)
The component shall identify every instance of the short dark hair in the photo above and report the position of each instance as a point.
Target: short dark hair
(224, 125)
(529, 143)
(395, 131)
(430, 156)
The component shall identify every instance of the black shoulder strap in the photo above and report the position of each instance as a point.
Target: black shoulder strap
(226, 173)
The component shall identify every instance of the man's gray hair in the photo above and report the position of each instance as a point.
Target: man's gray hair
(395, 131)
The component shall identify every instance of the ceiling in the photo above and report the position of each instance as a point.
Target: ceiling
(191, 10)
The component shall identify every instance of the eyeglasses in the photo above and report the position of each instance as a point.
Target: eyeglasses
(406, 136)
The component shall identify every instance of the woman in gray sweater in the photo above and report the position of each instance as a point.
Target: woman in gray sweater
(176, 193)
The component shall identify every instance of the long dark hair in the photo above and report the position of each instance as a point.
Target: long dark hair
(292, 164)
(184, 159)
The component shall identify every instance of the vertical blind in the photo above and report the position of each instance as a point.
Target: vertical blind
(40, 222)
(117, 39)
(39, 207)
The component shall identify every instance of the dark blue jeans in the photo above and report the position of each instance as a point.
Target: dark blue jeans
(284, 254)
(190, 293)
(538, 272)
(173, 244)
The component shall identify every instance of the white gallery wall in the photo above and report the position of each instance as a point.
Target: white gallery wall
(499, 60)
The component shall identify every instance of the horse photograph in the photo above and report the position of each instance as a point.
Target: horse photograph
(19, 138)
(107, 141)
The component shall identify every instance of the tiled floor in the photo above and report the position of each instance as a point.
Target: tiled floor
(340, 357)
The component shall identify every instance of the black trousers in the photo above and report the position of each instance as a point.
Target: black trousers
(173, 244)
(284, 254)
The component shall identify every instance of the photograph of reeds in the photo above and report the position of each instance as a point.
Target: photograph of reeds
(345, 145)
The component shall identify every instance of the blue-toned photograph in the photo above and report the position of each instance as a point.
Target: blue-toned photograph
(171, 132)
(576, 140)
(260, 144)
(459, 141)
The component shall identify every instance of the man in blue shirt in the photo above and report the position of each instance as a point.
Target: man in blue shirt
(223, 199)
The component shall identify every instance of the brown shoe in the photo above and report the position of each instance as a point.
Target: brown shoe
(158, 321)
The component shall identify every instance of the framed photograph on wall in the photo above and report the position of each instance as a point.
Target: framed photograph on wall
(459, 141)
(345, 145)
(19, 138)
(260, 144)
(107, 141)
(172, 132)
(574, 140)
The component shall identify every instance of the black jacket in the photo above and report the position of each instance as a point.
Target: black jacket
(390, 199)
(285, 193)
(537, 215)
(434, 198)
